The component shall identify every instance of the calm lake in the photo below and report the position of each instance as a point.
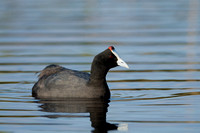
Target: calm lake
(159, 40)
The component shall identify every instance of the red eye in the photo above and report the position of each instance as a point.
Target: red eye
(110, 56)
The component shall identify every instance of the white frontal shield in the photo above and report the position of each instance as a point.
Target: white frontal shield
(120, 62)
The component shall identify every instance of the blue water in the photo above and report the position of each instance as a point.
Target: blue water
(159, 40)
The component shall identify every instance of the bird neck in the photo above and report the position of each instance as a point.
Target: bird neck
(98, 73)
(98, 78)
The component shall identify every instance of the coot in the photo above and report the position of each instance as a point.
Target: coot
(58, 82)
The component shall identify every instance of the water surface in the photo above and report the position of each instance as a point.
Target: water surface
(158, 39)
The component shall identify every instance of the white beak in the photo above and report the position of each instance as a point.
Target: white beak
(120, 62)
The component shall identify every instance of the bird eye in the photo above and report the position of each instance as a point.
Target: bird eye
(111, 56)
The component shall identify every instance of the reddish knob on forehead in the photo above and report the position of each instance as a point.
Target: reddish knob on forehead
(111, 48)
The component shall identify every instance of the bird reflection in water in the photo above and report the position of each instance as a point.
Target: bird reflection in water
(96, 107)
